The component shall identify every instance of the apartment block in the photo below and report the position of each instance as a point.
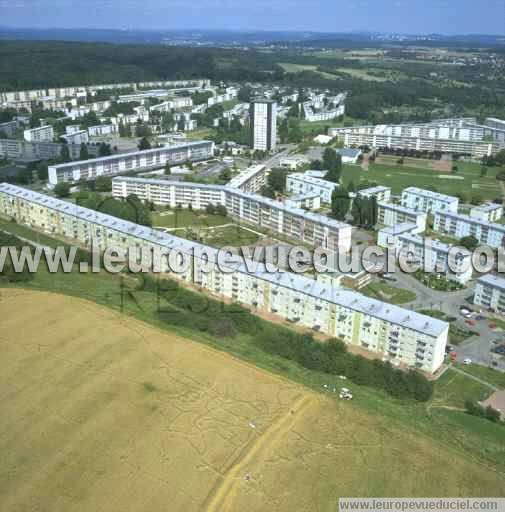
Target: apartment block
(400, 335)
(490, 292)
(263, 115)
(39, 134)
(303, 226)
(428, 201)
(458, 226)
(490, 212)
(303, 183)
(380, 193)
(130, 162)
(102, 130)
(434, 257)
(21, 150)
(252, 180)
(390, 214)
(77, 137)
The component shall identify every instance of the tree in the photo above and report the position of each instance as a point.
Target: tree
(483, 171)
(104, 149)
(333, 163)
(41, 169)
(469, 242)
(244, 94)
(225, 175)
(83, 152)
(221, 210)
(168, 171)
(144, 144)
(340, 202)
(65, 154)
(103, 184)
(62, 189)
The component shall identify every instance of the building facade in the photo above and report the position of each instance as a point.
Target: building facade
(263, 114)
(390, 214)
(302, 183)
(427, 201)
(39, 134)
(130, 162)
(400, 335)
(490, 212)
(458, 226)
(380, 193)
(490, 292)
(252, 180)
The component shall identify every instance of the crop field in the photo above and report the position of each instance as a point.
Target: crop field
(103, 412)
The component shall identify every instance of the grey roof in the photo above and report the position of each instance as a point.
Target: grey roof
(492, 280)
(373, 190)
(430, 193)
(301, 284)
(167, 183)
(131, 154)
(312, 180)
(400, 208)
(435, 244)
(472, 220)
(398, 229)
(348, 152)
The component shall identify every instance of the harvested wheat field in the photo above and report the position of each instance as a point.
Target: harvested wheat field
(103, 412)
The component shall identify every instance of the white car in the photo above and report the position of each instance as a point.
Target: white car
(467, 361)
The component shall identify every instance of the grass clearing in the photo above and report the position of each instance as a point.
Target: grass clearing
(182, 217)
(229, 235)
(383, 291)
(398, 177)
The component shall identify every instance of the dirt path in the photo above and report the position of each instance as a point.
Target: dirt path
(220, 497)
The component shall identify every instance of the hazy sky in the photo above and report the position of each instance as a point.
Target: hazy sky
(415, 16)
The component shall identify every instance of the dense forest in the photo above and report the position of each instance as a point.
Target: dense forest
(34, 64)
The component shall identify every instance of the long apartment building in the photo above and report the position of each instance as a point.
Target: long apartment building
(401, 335)
(490, 212)
(427, 201)
(252, 180)
(22, 150)
(82, 90)
(458, 226)
(130, 162)
(490, 292)
(305, 183)
(434, 258)
(447, 136)
(390, 214)
(295, 223)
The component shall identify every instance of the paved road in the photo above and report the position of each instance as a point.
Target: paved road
(476, 348)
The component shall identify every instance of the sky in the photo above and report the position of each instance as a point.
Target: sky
(399, 16)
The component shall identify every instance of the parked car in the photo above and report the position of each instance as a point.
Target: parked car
(470, 321)
(467, 361)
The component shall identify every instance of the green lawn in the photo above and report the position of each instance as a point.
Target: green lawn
(235, 236)
(382, 291)
(490, 375)
(467, 180)
(181, 218)
(476, 438)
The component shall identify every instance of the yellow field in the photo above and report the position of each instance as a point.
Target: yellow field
(102, 412)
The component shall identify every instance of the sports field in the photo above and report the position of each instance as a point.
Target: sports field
(103, 412)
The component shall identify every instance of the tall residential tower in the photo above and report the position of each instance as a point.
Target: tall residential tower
(263, 124)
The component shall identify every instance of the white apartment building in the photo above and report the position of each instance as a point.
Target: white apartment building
(293, 162)
(102, 130)
(263, 115)
(390, 214)
(172, 104)
(433, 256)
(447, 136)
(428, 201)
(130, 162)
(458, 226)
(252, 180)
(490, 212)
(79, 137)
(274, 216)
(400, 335)
(388, 236)
(380, 193)
(309, 201)
(39, 134)
(490, 292)
(302, 183)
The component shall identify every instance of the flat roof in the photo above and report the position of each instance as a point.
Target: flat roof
(373, 190)
(349, 152)
(492, 280)
(318, 182)
(347, 299)
(430, 193)
(472, 220)
(435, 244)
(400, 208)
(130, 154)
(398, 229)
(246, 175)
(488, 207)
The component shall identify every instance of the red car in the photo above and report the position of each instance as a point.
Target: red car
(470, 322)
